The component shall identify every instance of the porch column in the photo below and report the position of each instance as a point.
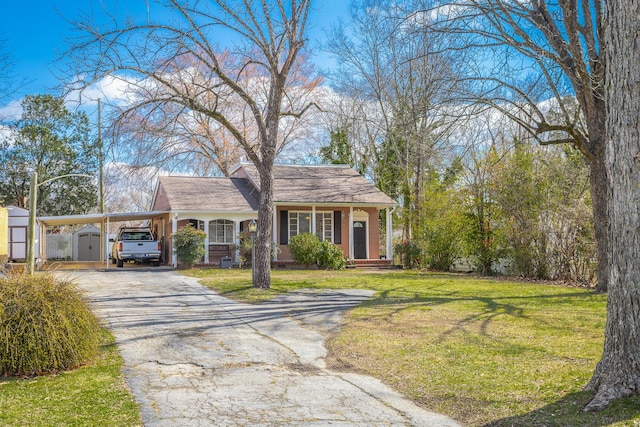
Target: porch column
(389, 234)
(174, 230)
(237, 242)
(313, 220)
(206, 242)
(350, 232)
(274, 232)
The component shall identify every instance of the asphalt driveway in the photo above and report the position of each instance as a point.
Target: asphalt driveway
(194, 358)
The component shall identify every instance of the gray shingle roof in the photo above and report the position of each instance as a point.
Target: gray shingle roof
(317, 184)
(294, 184)
(209, 194)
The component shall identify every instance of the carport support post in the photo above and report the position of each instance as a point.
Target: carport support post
(174, 230)
(31, 228)
(106, 242)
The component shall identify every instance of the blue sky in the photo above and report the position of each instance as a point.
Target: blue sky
(35, 32)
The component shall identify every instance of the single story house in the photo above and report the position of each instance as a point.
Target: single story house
(332, 201)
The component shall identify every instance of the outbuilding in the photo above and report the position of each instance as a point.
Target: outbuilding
(18, 219)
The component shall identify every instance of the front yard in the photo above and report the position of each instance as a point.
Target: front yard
(485, 352)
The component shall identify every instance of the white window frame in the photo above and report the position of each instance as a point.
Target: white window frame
(199, 224)
(228, 231)
(293, 223)
(323, 232)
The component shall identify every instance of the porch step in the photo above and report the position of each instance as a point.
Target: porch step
(372, 263)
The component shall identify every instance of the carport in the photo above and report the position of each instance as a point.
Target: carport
(157, 220)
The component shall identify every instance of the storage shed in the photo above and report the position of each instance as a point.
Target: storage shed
(86, 244)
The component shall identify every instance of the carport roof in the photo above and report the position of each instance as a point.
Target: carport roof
(98, 218)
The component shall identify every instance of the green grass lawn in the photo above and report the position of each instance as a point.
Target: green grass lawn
(92, 395)
(485, 352)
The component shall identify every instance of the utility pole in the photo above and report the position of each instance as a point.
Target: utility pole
(100, 156)
(103, 231)
(31, 228)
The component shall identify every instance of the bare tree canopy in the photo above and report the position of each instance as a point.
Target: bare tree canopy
(388, 61)
(9, 82)
(252, 90)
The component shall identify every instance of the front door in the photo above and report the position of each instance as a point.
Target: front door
(360, 239)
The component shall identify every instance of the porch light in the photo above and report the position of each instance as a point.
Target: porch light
(252, 226)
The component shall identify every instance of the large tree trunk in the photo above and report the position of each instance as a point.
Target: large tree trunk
(262, 266)
(599, 184)
(618, 372)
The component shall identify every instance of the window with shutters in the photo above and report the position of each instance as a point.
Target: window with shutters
(300, 222)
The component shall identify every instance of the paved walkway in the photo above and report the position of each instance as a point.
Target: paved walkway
(194, 358)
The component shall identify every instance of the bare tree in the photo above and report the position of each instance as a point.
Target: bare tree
(9, 81)
(176, 136)
(534, 58)
(248, 89)
(618, 372)
(387, 59)
(175, 139)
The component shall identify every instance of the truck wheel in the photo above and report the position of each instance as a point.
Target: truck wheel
(119, 263)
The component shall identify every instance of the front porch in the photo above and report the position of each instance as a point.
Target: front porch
(356, 231)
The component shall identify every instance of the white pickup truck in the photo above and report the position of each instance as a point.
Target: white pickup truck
(136, 244)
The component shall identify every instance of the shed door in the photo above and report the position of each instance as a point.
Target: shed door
(89, 246)
(17, 243)
(360, 239)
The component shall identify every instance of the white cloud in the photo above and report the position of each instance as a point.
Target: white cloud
(114, 90)
(12, 111)
(5, 133)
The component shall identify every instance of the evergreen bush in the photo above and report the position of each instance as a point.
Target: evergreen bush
(330, 256)
(189, 244)
(46, 325)
(304, 248)
(411, 254)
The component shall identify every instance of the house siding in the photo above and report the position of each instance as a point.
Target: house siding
(161, 202)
